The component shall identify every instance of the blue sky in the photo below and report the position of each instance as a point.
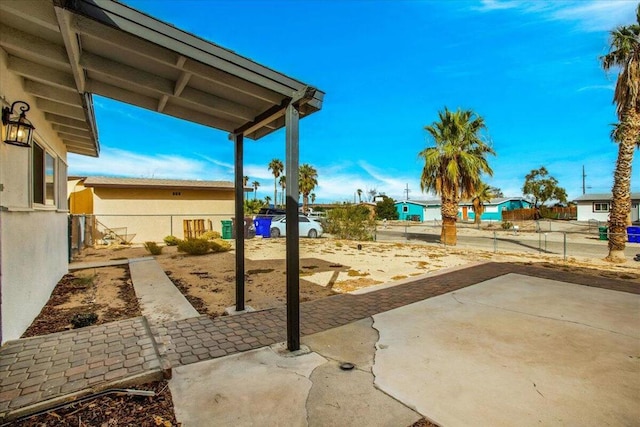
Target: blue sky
(529, 68)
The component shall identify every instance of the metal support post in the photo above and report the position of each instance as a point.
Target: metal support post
(565, 246)
(293, 245)
(495, 242)
(239, 223)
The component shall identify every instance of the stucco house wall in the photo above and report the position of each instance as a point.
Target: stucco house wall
(596, 207)
(494, 208)
(147, 213)
(33, 237)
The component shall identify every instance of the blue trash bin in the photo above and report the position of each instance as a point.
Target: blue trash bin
(634, 234)
(263, 226)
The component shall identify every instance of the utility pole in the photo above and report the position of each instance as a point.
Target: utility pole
(584, 188)
(406, 190)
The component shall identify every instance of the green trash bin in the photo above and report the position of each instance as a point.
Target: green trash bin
(226, 229)
(603, 231)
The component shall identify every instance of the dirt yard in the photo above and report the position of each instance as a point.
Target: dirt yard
(327, 266)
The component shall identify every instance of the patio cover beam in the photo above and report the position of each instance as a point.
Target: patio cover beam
(239, 215)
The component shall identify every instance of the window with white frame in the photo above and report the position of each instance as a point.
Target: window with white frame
(405, 208)
(601, 207)
(43, 176)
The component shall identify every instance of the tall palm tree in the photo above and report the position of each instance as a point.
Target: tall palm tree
(624, 53)
(482, 195)
(307, 181)
(283, 185)
(276, 167)
(359, 191)
(313, 198)
(267, 200)
(255, 185)
(453, 167)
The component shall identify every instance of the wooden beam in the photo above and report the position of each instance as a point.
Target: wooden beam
(41, 90)
(66, 121)
(72, 47)
(42, 15)
(71, 131)
(120, 94)
(32, 46)
(41, 73)
(61, 109)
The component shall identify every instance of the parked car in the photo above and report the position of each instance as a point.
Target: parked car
(308, 227)
(270, 212)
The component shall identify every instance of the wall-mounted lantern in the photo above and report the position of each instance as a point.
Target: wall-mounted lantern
(19, 129)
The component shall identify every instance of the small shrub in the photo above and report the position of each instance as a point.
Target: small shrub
(81, 320)
(153, 248)
(353, 222)
(211, 235)
(171, 240)
(194, 246)
(219, 245)
(506, 225)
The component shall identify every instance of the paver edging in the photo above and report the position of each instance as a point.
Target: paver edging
(151, 375)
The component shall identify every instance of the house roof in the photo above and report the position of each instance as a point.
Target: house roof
(438, 202)
(173, 184)
(67, 50)
(595, 197)
(496, 201)
(432, 202)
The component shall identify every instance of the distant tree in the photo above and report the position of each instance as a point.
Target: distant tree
(480, 197)
(313, 198)
(308, 180)
(386, 209)
(359, 192)
(372, 194)
(454, 166)
(276, 167)
(255, 185)
(624, 54)
(267, 200)
(496, 192)
(283, 185)
(245, 180)
(542, 187)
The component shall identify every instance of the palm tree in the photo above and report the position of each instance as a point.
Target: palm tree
(624, 53)
(245, 180)
(276, 167)
(359, 191)
(307, 181)
(482, 194)
(283, 185)
(453, 168)
(255, 185)
(313, 198)
(267, 199)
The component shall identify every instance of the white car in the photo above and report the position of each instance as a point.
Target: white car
(308, 227)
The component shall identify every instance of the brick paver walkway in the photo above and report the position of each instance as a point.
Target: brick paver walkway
(36, 369)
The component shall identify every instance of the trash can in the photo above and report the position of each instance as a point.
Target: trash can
(634, 234)
(603, 231)
(263, 226)
(226, 229)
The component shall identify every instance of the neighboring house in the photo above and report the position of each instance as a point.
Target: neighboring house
(429, 210)
(597, 207)
(141, 210)
(493, 208)
(419, 210)
(54, 55)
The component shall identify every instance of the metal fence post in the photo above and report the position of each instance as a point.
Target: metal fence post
(565, 246)
(495, 242)
(539, 243)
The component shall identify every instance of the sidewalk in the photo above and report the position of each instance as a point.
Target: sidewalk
(39, 372)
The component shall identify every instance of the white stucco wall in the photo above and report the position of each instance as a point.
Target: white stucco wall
(33, 242)
(432, 213)
(586, 213)
(34, 258)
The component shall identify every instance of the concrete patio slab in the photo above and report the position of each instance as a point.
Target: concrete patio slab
(515, 348)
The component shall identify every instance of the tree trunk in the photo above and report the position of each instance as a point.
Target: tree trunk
(275, 193)
(449, 211)
(621, 201)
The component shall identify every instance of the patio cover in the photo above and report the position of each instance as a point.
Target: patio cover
(67, 50)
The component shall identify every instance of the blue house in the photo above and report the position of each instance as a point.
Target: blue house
(418, 210)
(492, 209)
(428, 210)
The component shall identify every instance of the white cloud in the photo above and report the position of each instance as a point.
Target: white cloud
(116, 162)
(597, 87)
(588, 15)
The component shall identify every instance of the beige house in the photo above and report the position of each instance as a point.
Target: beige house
(140, 210)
